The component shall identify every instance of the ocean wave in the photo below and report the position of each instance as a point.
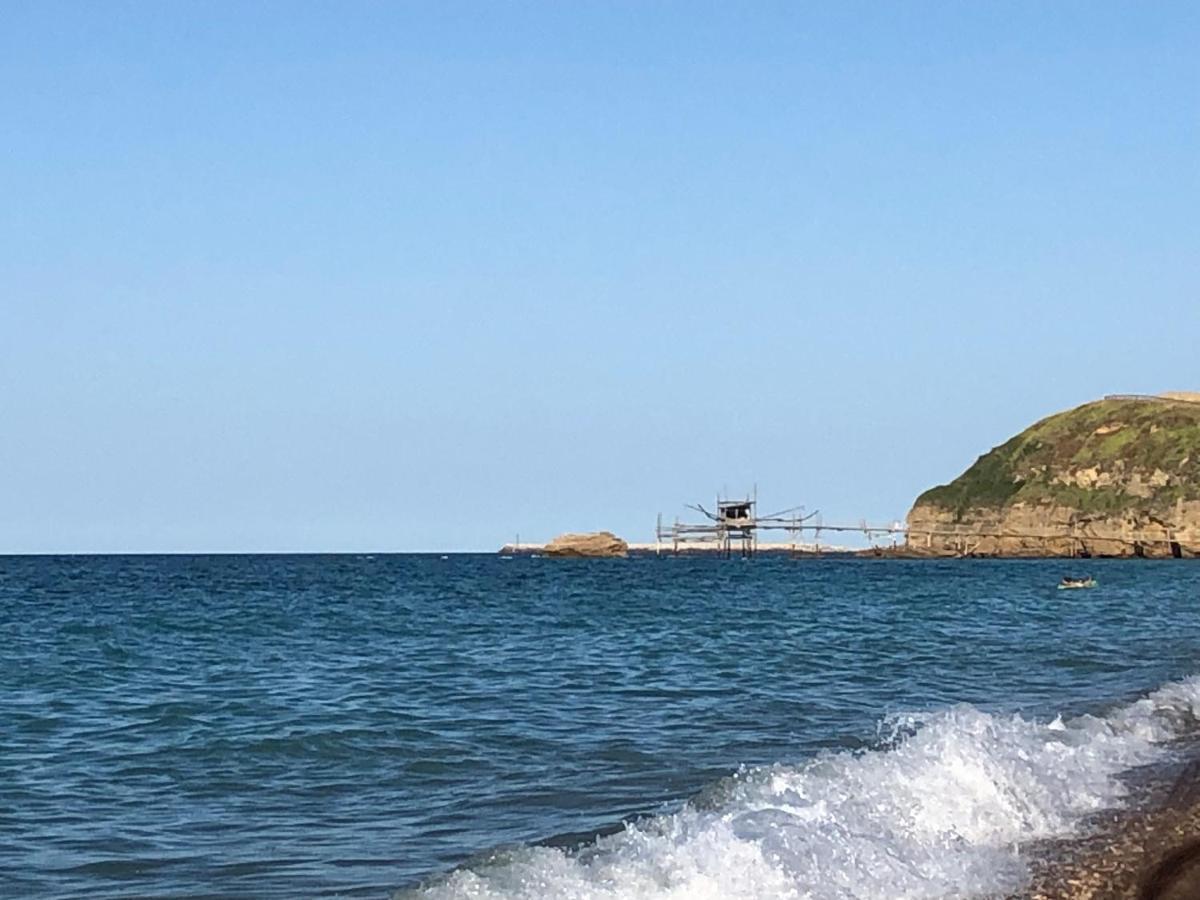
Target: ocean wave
(941, 808)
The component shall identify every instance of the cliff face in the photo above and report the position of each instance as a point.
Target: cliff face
(1118, 477)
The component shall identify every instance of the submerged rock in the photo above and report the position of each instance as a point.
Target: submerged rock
(596, 543)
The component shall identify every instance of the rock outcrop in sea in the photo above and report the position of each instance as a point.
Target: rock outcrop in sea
(1116, 477)
(597, 543)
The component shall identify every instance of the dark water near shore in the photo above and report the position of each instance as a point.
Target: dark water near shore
(303, 725)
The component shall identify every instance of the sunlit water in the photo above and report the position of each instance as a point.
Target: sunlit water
(530, 728)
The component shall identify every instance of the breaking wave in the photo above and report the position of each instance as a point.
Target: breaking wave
(940, 808)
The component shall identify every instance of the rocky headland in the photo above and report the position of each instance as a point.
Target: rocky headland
(1116, 477)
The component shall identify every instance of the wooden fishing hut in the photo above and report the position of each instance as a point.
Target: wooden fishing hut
(733, 525)
(736, 523)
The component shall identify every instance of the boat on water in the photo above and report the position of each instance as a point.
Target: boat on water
(1070, 584)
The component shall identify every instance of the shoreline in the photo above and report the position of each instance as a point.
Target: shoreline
(1143, 850)
(694, 548)
(642, 549)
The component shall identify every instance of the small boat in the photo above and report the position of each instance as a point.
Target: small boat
(1071, 584)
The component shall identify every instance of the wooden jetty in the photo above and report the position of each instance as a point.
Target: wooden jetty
(733, 526)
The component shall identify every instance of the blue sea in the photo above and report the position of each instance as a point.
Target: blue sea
(402, 726)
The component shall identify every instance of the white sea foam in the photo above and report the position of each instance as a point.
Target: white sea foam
(941, 812)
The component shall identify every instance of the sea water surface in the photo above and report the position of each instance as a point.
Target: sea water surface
(479, 727)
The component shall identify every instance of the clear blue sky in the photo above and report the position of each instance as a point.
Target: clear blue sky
(401, 276)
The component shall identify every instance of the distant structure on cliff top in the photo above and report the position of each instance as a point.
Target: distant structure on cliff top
(1115, 477)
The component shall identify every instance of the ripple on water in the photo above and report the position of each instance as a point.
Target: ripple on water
(288, 726)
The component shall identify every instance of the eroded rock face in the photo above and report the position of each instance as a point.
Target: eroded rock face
(592, 544)
(1118, 477)
(1051, 530)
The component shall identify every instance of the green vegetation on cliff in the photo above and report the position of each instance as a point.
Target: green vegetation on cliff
(1102, 458)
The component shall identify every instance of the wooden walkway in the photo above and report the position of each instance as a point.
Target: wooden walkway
(805, 535)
